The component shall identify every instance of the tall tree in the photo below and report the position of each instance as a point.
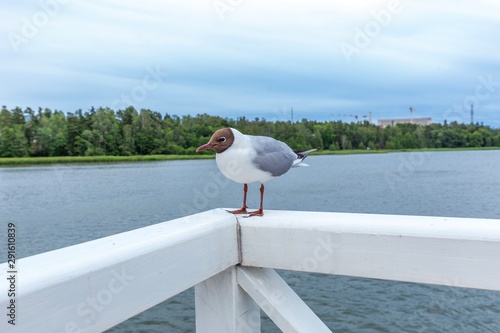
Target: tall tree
(105, 136)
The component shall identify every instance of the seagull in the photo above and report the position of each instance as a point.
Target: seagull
(247, 158)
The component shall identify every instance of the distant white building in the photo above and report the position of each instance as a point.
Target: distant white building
(391, 122)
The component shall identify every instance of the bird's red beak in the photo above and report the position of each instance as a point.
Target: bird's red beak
(204, 147)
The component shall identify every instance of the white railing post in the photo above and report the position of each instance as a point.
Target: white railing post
(275, 297)
(223, 307)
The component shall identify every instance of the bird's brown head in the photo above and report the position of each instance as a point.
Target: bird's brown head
(220, 141)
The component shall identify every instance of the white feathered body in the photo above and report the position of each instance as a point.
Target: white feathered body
(236, 163)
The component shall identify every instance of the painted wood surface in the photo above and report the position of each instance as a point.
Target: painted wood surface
(282, 305)
(93, 286)
(222, 306)
(437, 250)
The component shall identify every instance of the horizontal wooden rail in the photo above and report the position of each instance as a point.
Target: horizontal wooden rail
(93, 286)
(460, 252)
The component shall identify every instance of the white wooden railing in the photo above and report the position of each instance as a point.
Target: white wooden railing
(93, 286)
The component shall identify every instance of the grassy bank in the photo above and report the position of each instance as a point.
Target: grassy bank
(27, 161)
(349, 152)
(379, 151)
(447, 149)
(360, 151)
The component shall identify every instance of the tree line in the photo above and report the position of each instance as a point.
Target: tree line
(104, 131)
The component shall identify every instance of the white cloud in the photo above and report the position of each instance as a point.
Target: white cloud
(261, 56)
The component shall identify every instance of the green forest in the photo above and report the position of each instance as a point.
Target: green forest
(128, 132)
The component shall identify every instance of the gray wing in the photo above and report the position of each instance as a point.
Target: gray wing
(272, 155)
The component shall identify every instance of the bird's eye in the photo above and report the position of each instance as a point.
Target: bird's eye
(222, 139)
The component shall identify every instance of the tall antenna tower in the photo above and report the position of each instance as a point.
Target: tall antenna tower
(411, 114)
(472, 113)
(291, 112)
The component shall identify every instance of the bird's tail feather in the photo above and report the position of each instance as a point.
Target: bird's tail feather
(301, 155)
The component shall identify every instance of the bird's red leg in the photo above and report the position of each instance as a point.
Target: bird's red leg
(243, 209)
(260, 211)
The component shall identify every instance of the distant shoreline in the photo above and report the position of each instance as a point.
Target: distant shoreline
(33, 161)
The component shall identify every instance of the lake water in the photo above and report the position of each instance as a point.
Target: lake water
(57, 206)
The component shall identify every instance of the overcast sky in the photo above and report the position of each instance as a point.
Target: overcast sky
(256, 58)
